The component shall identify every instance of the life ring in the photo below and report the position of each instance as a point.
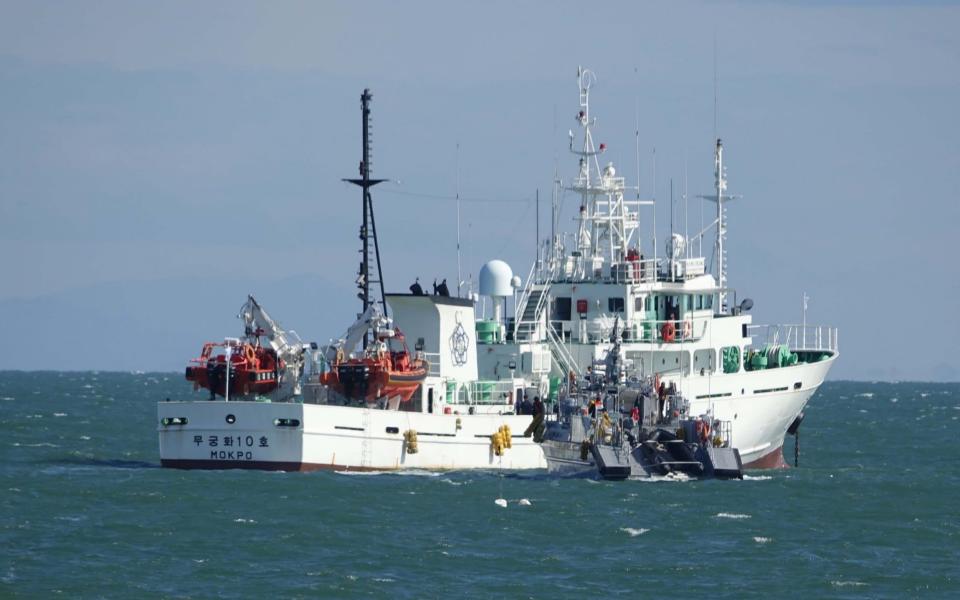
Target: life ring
(339, 355)
(668, 331)
(687, 329)
(249, 354)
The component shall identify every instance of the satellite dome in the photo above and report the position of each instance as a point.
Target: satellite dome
(495, 278)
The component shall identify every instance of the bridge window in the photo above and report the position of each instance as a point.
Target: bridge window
(562, 308)
(615, 305)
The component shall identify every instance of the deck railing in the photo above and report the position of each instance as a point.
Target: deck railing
(481, 392)
(796, 337)
(433, 358)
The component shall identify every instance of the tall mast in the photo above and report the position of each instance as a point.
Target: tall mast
(721, 198)
(606, 220)
(721, 185)
(368, 231)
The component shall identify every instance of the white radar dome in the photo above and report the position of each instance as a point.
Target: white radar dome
(495, 279)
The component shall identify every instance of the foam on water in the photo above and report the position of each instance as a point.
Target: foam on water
(634, 532)
(397, 473)
(726, 515)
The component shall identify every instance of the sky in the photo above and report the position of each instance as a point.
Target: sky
(159, 161)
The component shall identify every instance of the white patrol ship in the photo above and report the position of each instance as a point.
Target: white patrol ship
(679, 325)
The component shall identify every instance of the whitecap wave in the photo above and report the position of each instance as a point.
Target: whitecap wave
(756, 477)
(726, 515)
(59, 414)
(762, 540)
(865, 395)
(838, 583)
(240, 520)
(634, 532)
(672, 477)
(409, 473)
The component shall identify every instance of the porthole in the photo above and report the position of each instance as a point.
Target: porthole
(231, 419)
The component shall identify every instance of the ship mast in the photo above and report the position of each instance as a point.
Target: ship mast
(606, 220)
(368, 231)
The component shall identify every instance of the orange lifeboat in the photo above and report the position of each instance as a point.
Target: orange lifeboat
(253, 369)
(378, 373)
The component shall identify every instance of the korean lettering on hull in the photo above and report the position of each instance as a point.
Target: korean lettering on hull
(231, 447)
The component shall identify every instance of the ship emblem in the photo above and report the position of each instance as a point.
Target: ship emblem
(459, 344)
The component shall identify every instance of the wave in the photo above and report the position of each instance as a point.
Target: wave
(762, 540)
(837, 583)
(726, 515)
(634, 532)
(398, 473)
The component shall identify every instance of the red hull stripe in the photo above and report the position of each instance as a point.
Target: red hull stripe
(773, 460)
(260, 465)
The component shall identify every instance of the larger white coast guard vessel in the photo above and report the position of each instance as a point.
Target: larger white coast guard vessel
(679, 326)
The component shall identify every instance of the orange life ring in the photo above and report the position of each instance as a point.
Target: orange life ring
(668, 331)
(249, 354)
(687, 329)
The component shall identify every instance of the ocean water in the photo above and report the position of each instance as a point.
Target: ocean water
(85, 512)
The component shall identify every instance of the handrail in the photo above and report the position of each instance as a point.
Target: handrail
(797, 337)
(433, 359)
(483, 392)
(525, 296)
(563, 354)
(698, 329)
(522, 300)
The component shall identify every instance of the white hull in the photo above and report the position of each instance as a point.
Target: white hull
(335, 437)
(759, 419)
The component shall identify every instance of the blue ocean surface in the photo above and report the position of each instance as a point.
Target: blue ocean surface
(873, 511)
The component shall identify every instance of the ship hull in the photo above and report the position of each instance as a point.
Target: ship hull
(318, 436)
(304, 437)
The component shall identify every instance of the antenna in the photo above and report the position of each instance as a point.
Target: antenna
(654, 207)
(716, 89)
(536, 256)
(686, 207)
(369, 223)
(459, 275)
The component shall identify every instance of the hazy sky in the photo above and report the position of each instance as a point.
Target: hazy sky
(160, 160)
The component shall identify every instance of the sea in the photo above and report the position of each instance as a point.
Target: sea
(872, 511)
